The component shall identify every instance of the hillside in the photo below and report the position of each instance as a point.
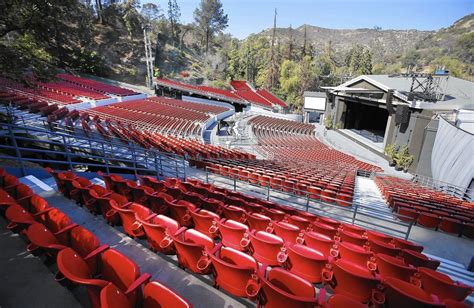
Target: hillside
(386, 42)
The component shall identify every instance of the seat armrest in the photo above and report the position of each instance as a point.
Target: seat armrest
(180, 230)
(215, 249)
(96, 251)
(106, 194)
(66, 229)
(43, 212)
(144, 278)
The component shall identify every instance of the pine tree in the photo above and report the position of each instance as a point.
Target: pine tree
(210, 20)
(174, 13)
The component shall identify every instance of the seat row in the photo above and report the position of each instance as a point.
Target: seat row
(81, 259)
(95, 86)
(36, 93)
(426, 207)
(227, 231)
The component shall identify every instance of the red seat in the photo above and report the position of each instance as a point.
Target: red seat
(140, 193)
(22, 194)
(66, 179)
(399, 293)
(180, 211)
(349, 279)
(204, 220)
(322, 228)
(259, 222)
(128, 215)
(288, 232)
(155, 294)
(428, 220)
(381, 247)
(319, 242)
(389, 266)
(52, 235)
(21, 218)
(159, 202)
(152, 182)
(87, 245)
(442, 285)
(6, 200)
(353, 229)
(189, 245)
(341, 301)
(234, 213)
(407, 214)
(92, 197)
(80, 187)
(306, 262)
(451, 225)
(354, 238)
(418, 259)
(115, 268)
(356, 254)
(158, 230)
(267, 248)
(284, 289)
(300, 222)
(404, 244)
(9, 182)
(233, 234)
(377, 236)
(329, 221)
(234, 271)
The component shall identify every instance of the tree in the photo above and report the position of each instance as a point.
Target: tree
(365, 67)
(174, 14)
(303, 50)
(210, 20)
(291, 44)
(98, 8)
(151, 12)
(411, 59)
(131, 16)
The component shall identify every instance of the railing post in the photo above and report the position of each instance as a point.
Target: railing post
(409, 230)
(355, 212)
(268, 191)
(68, 155)
(307, 202)
(207, 174)
(17, 151)
(235, 183)
(161, 165)
(156, 163)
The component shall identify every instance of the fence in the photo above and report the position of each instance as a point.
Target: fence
(38, 145)
(350, 212)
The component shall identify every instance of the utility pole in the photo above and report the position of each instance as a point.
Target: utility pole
(272, 67)
(148, 57)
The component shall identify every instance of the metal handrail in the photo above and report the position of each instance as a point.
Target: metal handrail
(353, 213)
(78, 150)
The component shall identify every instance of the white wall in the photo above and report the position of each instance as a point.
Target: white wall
(315, 103)
(452, 158)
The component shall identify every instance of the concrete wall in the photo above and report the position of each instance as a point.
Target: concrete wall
(424, 162)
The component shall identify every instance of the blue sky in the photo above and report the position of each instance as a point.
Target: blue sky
(252, 16)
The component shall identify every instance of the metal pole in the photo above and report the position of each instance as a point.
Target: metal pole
(355, 212)
(66, 148)
(17, 151)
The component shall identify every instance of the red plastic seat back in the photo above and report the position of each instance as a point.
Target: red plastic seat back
(72, 266)
(84, 242)
(189, 247)
(203, 220)
(23, 191)
(284, 289)
(232, 233)
(233, 270)
(399, 293)
(319, 242)
(158, 295)
(354, 253)
(442, 285)
(259, 222)
(157, 229)
(266, 247)
(112, 297)
(56, 220)
(288, 232)
(121, 271)
(38, 204)
(353, 280)
(306, 262)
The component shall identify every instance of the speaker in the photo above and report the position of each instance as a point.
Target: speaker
(402, 115)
